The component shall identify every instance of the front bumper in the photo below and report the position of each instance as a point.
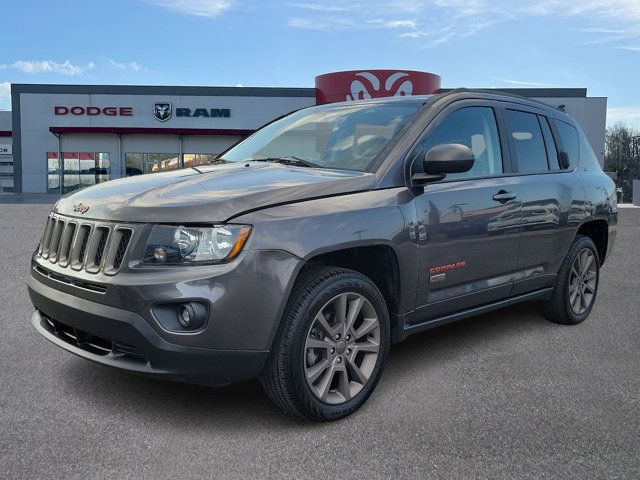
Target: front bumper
(122, 339)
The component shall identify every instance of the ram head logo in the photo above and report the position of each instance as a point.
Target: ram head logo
(368, 85)
(162, 111)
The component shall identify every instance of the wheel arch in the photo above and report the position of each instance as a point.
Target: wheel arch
(378, 262)
(598, 231)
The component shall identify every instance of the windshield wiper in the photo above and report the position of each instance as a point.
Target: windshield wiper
(291, 160)
(216, 161)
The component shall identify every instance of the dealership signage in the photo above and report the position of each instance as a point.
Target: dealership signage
(163, 111)
(93, 111)
(5, 149)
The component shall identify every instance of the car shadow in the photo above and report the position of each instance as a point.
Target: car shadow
(245, 406)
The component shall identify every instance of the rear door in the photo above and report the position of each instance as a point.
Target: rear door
(547, 193)
(469, 222)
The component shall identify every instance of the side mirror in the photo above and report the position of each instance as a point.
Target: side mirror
(443, 159)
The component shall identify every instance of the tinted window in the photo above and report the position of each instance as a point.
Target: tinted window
(549, 143)
(476, 128)
(570, 143)
(588, 159)
(527, 139)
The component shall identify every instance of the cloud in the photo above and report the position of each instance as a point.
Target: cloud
(319, 7)
(135, 66)
(5, 90)
(610, 31)
(628, 115)
(530, 84)
(320, 24)
(422, 21)
(200, 8)
(49, 66)
(400, 24)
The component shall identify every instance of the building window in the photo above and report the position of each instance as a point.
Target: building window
(139, 163)
(77, 170)
(194, 159)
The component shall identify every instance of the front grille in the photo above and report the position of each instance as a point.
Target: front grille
(85, 231)
(125, 237)
(91, 343)
(85, 245)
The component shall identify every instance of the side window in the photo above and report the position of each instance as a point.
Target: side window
(526, 135)
(570, 142)
(476, 128)
(588, 159)
(549, 143)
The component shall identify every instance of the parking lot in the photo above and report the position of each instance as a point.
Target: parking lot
(504, 395)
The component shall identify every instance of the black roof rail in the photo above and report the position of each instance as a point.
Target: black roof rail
(501, 93)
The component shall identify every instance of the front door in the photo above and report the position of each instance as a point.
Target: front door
(468, 222)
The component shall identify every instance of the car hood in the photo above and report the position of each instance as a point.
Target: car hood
(212, 193)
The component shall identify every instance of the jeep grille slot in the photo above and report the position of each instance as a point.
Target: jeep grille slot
(46, 238)
(117, 250)
(80, 247)
(55, 241)
(64, 249)
(85, 245)
(95, 249)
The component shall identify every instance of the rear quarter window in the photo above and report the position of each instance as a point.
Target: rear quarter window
(588, 159)
(570, 142)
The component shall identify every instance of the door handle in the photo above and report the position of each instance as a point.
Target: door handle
(503, 196)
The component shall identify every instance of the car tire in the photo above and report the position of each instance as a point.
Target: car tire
(312, 375)
(576, 285)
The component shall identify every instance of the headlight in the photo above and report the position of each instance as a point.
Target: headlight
(169, 244)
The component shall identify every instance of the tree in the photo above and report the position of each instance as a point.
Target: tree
(622, 155)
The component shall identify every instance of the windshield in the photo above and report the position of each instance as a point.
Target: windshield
(345, 137)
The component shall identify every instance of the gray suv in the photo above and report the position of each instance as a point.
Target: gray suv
(302, 253)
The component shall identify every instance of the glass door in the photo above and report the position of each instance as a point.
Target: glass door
(70, 171)
(77, 170)
(53, 173)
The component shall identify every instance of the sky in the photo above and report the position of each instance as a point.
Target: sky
(476, 43)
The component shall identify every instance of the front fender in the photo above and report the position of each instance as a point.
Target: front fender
(311, 228)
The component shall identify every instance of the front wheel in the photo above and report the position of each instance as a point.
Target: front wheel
(331, 346)
(576, 284)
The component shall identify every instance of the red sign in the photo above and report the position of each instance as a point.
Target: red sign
(363, 84)
(93, 111)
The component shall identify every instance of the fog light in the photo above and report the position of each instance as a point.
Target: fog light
(186, 315)
(191, 315)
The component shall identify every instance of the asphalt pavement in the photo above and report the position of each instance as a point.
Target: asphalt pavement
(503, 395)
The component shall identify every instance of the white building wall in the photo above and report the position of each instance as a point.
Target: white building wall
(207, 143)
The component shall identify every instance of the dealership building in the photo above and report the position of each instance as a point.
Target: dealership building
(58, 138)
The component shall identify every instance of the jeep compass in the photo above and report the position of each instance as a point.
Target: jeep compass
(298, 256)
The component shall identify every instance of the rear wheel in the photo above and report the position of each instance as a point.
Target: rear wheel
(576, 284)
(331, 346)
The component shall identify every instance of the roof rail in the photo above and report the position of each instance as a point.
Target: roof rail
(493, 91)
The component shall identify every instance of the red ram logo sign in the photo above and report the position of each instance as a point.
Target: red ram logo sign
(365, 84)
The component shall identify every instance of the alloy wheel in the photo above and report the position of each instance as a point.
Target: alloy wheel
(583, 281)
(341, 348)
